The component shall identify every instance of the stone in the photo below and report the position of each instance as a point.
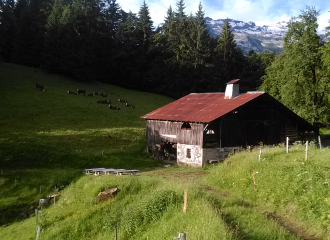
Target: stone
(106, 194)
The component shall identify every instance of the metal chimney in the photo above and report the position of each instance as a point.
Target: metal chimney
(232, 89)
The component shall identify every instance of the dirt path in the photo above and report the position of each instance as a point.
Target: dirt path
(195, 176)
(285, 223)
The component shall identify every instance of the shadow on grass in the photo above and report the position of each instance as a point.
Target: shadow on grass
(20, 191)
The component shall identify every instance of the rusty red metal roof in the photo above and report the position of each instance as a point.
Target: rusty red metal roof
(200, 107)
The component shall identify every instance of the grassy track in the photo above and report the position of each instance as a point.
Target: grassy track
(286, 185)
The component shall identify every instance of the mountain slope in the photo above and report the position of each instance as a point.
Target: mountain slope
(249, 36)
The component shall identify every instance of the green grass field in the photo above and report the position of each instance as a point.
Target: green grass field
(48, 138)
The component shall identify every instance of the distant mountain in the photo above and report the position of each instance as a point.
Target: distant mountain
(249, 36)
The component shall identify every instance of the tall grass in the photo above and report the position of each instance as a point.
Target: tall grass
(146, 207)
(286, 184)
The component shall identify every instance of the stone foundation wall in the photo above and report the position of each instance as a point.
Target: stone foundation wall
(196, 155)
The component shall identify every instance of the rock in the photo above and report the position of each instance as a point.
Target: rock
(106, 194)
(23, 215)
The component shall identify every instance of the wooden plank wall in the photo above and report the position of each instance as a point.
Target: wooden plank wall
(156, 127)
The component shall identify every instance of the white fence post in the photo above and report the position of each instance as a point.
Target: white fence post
(320, 142)
(306, 157)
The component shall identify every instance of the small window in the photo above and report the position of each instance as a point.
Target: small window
(188, 153)
(186, 126)
(210, 131)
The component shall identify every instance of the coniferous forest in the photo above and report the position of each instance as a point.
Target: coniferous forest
(95, 40)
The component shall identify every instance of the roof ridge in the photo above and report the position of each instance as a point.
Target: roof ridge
(207, 93)
(255, 92)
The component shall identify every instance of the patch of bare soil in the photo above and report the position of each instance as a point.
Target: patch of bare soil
(282, 221)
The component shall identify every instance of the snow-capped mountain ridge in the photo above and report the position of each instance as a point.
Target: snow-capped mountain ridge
(249, 36)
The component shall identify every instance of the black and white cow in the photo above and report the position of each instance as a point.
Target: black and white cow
(40, 87)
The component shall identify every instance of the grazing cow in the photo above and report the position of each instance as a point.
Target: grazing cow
(104, 101)
(113, 107)
(129, 105)
(103, 95)
(91, 95)
(70, 92)
(40, 87)
(81, 91)
(122, 100)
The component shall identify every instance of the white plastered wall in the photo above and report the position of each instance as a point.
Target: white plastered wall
(196, 159)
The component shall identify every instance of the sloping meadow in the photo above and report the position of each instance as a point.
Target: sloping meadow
(145, 207)
(48, 137)
(295, 189)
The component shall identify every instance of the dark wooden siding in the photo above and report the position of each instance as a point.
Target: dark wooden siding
(156, 127)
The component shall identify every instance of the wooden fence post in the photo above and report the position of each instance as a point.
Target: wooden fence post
(38, 233)
(259, 154)
(320, 142)
(182, 236)
(185, 201)
(115, 233)
(36, 212)
(306, 157)
(287, 144)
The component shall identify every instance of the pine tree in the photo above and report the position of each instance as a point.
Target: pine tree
(180, 13)
(8, 29)
(145, 26)
(176, 30)
(57, 29)
(226, 43)
(227, 54)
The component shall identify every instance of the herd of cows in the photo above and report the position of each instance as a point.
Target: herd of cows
(82, 91)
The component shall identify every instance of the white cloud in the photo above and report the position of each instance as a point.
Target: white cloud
(262, 12)
(323, 20)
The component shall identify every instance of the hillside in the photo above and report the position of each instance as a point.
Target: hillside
(48, 137)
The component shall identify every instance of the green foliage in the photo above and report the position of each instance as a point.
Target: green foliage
(296, 77)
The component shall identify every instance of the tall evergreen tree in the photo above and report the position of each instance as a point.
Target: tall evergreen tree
(226, 43)
(7, 29)
(176, 31)
(145, 25)
(180, 7)
(227, 54)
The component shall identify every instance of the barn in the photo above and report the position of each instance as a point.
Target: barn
(201, 128)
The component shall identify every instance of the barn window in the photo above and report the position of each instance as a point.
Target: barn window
(188, 155)
(210, 131)
(186, 126)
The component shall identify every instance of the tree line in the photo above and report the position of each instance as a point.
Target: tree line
(95, 40)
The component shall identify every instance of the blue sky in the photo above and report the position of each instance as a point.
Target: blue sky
(262, 12)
